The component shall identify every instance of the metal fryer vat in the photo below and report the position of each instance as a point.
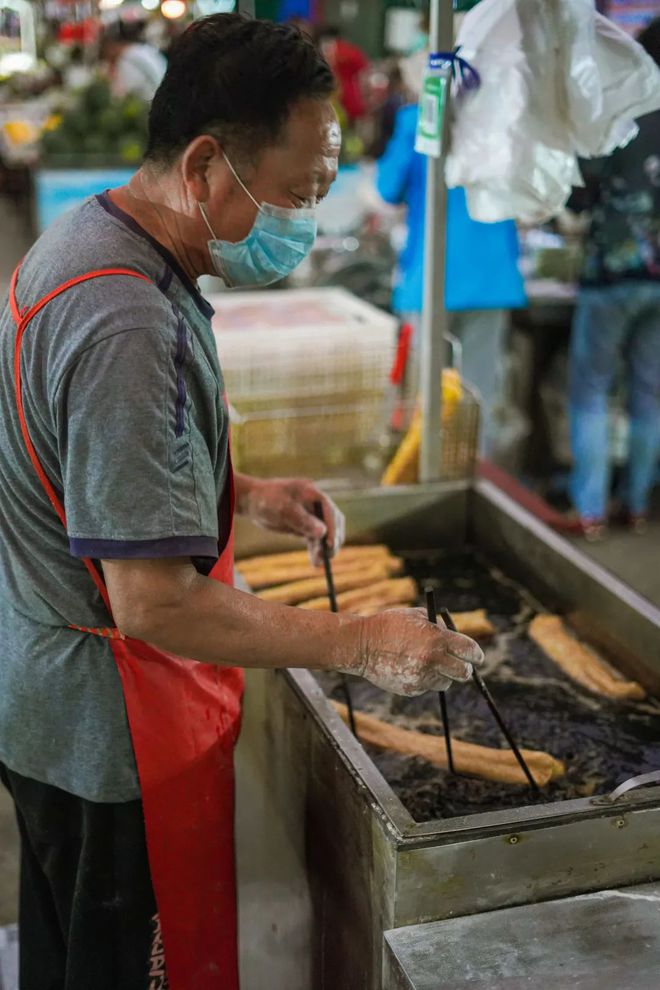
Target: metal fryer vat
(329, 857)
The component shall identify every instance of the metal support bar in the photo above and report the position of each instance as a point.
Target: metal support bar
(435, 323)
(246, 7)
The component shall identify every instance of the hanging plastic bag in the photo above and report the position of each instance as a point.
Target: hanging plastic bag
(557, 81)
(509, 148)
(621, 84)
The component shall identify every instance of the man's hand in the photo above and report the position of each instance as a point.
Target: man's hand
(286, 505)
(402, 652)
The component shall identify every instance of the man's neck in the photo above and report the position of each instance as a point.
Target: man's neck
(158, 218)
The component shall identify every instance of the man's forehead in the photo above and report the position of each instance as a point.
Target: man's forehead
(313, 126)
(311, 145)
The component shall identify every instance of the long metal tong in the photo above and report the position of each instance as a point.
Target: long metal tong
(442, 697)
(478, 680)
(330, 582)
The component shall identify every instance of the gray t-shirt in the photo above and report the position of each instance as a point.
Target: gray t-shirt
(124, 402)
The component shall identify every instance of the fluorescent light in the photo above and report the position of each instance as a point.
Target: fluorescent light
(172, 9)
(150, 4)
(109, 4)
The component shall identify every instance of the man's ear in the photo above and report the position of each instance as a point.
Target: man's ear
(202, 157)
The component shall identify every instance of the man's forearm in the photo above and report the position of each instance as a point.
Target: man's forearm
(199, 618)
(167, 603)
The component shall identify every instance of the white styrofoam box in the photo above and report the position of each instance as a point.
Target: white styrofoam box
(297, 343)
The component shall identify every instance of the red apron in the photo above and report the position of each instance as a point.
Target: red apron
(184, 720)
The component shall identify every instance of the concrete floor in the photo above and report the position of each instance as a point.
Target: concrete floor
(632, 558)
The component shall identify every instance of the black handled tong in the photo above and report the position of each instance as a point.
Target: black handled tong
(479, 681)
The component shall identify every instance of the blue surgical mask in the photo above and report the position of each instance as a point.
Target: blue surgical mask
(279, 240)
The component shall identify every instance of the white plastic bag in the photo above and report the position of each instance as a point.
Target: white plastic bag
(624, 79)
(558, 81)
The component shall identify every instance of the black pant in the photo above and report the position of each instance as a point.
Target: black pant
(87, 917)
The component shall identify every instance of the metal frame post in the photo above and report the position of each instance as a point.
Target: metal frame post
(246, 7)
(435, 322)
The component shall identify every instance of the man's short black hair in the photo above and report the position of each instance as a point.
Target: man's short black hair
(236, 78)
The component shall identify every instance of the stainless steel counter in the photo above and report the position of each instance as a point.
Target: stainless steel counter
(609, 940)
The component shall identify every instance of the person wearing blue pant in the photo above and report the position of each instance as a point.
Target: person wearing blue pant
(610, 321)
(618, 316)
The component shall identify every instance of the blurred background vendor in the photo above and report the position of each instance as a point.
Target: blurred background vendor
(135, 67)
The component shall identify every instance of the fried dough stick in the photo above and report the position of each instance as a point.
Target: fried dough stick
(400, 591)
(295, 558)
(363, 577)
(475, 624)
(476, 761)
(269, 576)
(579, 661)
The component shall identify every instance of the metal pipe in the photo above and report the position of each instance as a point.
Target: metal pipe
(246, 7)
(435, 323)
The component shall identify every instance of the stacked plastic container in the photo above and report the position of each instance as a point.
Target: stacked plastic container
(306, 373)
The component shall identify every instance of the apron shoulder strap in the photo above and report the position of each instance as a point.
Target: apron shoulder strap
(22, 319)
(15, 312)
(25, 316)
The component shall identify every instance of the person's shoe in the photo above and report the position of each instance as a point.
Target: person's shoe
(637, 522)
(594, 530)
(591, 528)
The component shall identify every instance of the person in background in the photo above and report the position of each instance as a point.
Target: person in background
(135, 67)
(618, 318)
(482, 275)
(77, 74)
(385, 117)
(421, 41)
(348, 63)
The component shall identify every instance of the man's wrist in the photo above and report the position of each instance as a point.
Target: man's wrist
(347, 653)
(244, 486)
